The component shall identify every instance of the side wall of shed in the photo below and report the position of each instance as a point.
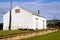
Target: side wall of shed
(39, 23)
(6, 21)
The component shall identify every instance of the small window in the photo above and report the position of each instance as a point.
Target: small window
(17, 10)
(36, 18)
(43, 20)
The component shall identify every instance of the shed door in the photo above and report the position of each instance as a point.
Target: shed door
(36, 23)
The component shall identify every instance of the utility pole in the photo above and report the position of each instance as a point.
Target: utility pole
(10, 15)
(54, 21)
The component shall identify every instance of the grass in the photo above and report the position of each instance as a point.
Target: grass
(49, 36)
(7, 32)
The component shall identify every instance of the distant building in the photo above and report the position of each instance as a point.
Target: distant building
(23, 19)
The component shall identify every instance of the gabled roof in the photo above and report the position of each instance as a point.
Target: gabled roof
(33, 13)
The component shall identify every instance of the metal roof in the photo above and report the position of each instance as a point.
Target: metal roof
(33, 13)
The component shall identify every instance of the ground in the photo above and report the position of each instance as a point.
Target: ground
(7, 32)
(49, 36)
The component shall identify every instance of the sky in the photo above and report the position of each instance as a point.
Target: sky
(48, 8)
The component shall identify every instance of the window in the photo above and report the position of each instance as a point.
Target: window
(17, 10)
(36, 18)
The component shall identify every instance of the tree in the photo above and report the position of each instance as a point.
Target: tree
(50, 25)
(58, 24)
(1, 26)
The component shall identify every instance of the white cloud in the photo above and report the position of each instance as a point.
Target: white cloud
(46, 9)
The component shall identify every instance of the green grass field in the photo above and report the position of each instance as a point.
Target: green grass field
(7, 32)
(49, 36)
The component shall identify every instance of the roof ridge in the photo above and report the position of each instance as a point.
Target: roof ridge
(33, 13)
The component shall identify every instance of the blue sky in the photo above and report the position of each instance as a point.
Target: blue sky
(45, 1)
(48, 8)
(17, 0)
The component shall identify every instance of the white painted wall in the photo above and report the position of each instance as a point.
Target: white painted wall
(6, 21)
(23, 20)
(40, 22)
